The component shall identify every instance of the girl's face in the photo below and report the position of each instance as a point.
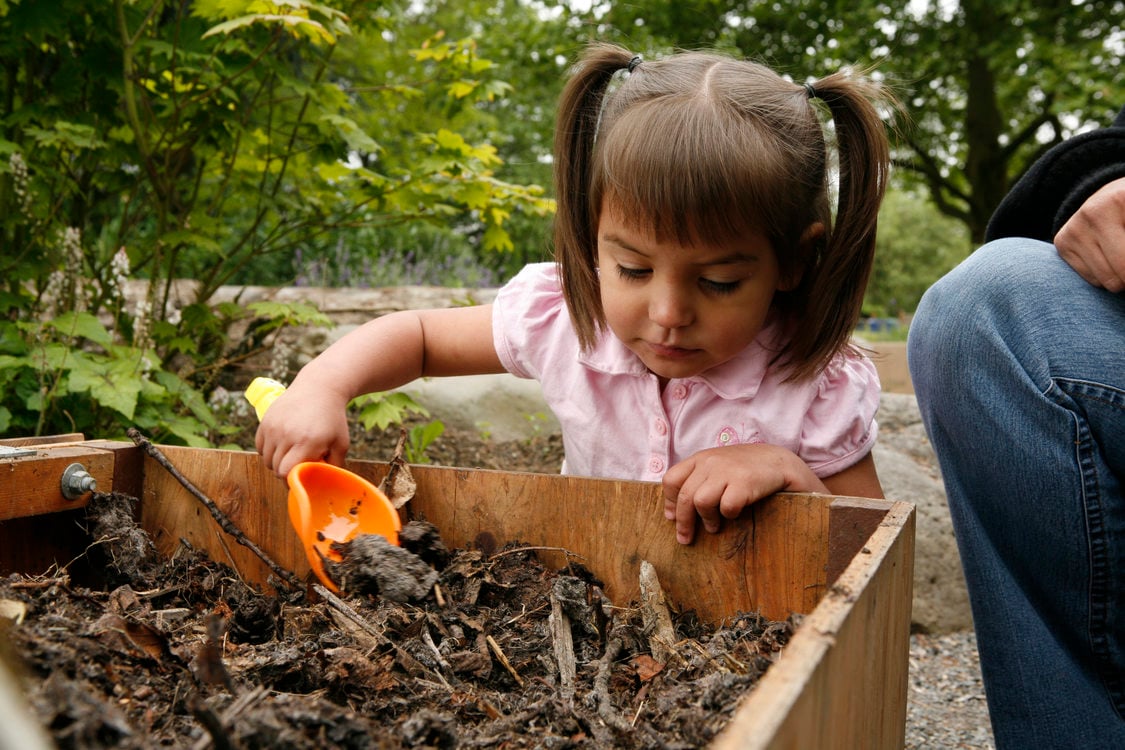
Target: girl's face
(683, 309)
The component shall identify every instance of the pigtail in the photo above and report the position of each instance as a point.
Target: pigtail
(575, 232)
(834, 294)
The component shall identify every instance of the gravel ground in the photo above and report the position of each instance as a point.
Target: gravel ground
(945, 706)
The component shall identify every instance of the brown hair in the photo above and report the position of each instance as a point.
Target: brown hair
(702, 147)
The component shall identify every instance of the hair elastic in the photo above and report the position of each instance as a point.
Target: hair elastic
(637, 60)
(811, 91)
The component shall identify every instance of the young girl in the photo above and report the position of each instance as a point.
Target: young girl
(695, 327)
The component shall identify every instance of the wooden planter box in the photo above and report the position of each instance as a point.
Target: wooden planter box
(845, 563)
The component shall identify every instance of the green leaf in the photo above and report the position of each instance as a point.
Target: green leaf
(82, 324)
(461, 89)
(192, 239)
(191, 432)
(420, 438)
(67, 134)
(380, 410)
(496, 238)
(114, 383)
(447, 140)
(355, 137)
(296, 24)
(289, 313)
(183, 393)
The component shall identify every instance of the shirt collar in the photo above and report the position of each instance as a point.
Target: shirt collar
(739, 377)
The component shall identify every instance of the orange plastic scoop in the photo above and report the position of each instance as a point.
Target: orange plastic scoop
(326, 503)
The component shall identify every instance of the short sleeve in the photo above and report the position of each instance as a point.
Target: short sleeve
(530, 323)
(840, 427)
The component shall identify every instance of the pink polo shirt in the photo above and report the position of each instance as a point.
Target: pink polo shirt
(616, 422)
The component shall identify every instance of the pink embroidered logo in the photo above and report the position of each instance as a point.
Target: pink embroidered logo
(727, 436)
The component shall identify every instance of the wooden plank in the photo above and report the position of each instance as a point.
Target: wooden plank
(127, 466)
(21, 442)
(851, 522)
(841, 682)
(771, 560)
(253, 498)
(40, 544)
(31, 485)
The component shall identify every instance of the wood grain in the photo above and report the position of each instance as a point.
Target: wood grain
(772, 559)
(32, 485)
(841, 682)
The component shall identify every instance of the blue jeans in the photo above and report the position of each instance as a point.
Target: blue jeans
(1019, 369)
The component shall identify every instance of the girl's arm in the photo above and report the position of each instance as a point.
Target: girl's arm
(309, 422)
(719, 483)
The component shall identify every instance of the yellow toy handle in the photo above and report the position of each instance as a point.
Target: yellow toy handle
(261, 393)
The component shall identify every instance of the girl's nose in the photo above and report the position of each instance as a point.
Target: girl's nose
(669, 308)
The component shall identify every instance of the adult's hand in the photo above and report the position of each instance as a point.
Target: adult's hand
(1093, 240)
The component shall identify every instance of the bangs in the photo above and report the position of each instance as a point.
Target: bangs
(684, 169)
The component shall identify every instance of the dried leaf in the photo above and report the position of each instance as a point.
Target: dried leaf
(646, 667)
(399, 485)
(128, 635)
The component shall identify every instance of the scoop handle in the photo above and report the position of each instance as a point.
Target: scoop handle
(261, 393)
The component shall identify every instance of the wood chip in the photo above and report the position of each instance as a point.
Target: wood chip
(657, 619)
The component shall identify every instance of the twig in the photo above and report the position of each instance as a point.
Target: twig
(223, 520)
(343, 608)
(212, 723)
(492, 644)
(46, 583)
(230, 557)
(428, 640)
(601, 686)
(637, 714)
(514, 550)
(234, 711)
(525, 613)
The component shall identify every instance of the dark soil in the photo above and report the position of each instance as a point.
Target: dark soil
(501, 652)
(541, 454)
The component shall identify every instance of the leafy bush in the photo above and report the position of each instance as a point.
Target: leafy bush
(202, 141)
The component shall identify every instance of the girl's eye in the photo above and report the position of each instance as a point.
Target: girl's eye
(719, 287)
(632, 274)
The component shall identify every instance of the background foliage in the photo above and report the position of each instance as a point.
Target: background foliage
(387, 142)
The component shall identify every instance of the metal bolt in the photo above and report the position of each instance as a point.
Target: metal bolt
(76, 482)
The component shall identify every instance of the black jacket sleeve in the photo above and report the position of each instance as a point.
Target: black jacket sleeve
(1059, 183)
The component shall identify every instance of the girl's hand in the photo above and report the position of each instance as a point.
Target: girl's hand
(306, 423)
(719, 483)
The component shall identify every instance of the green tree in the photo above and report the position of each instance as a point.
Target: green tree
(199, 140)
(916, 245)
(987, 84)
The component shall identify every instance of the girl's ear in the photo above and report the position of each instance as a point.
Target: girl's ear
(812, 235)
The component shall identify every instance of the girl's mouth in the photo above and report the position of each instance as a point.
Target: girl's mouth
(670, 352)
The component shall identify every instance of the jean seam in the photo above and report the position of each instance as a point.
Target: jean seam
(1098, 590)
